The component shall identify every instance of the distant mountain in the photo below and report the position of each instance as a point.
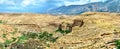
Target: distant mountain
(107, 6)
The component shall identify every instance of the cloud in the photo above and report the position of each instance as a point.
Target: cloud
(80, 2)
(25, 3)
(7, 2)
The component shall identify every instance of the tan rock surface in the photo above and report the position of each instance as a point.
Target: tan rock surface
(96, 33)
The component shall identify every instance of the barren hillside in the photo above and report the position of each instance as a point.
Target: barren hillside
(97, 30)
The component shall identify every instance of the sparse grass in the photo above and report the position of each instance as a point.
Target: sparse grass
(1, 22)
(1, 46)
(42, 36)
(32, 35)
(4, 35)
(29, 44)
(100, 26)
(22, 39)
(7, 42)
(15, 31)
(87, 14)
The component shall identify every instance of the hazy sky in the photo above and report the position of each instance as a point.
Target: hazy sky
(38, 5)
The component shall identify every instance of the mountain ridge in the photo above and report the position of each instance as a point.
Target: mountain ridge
(107, 6)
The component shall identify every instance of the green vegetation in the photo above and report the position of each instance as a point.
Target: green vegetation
(118, 44)
(7, 42)
(63, 31)
(1, 45)
(22, 39)
(4, 35)
(42, 37)
(30, 44)
(32, 35)
(15, 31)
(45, 36)
(1, 22)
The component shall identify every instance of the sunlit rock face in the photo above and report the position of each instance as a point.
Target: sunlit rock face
(107, 6)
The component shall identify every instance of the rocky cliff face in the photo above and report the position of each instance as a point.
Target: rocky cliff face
(107, 6)
(99, 30)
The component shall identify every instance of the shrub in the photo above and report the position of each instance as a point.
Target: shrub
(42, 37)
(1, 22)
(7, 42)
(4, 35)
(1, 46)
(63, 31)
(117, 44)
(32, 35)
(22, 39)
(67, 31)
(30, 44)
(45, 36)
